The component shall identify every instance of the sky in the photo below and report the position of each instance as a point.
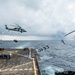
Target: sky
(40, 18)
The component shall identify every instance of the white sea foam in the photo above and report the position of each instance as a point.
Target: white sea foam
(51, 70)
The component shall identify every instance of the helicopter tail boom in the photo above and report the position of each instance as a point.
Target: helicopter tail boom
(6, 27)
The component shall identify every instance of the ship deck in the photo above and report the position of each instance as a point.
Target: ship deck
(22, 62)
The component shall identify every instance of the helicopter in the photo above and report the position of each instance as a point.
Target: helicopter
(16, 28)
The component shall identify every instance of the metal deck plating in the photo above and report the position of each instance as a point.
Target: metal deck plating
(21, 62)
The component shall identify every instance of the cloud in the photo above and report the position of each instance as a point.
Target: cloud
(39, 18)
(9, 37)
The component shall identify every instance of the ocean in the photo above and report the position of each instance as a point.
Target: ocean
(55, 56)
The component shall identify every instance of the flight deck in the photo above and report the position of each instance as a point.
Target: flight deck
(21, 62)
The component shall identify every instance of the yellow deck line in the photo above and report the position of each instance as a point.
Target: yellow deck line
(34, 65)
(15, 70)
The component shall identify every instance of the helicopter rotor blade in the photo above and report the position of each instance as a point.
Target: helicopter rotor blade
(67, 35)
(13, 25)
(18, 25)
(70, 33)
